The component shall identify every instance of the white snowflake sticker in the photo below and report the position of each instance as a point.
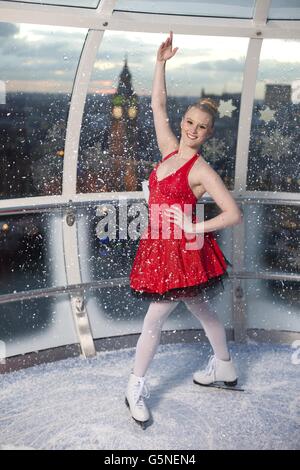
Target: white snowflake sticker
(226, 108)
(267, 114)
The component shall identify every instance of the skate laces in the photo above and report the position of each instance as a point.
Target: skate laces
(141, 391)
(211, 366)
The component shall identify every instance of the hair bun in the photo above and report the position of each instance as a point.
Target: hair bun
(210, 103)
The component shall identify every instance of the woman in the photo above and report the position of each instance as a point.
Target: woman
(167, 267)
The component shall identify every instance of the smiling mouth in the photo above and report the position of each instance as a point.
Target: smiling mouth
(192, 137)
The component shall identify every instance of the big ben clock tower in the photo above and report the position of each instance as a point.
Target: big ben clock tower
(123, 134)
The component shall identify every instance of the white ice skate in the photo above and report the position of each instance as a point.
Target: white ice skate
(218, 371)
(136, 391)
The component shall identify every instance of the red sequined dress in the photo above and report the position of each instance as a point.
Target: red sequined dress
(175, 267)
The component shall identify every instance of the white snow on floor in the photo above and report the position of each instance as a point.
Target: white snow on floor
(79, 403)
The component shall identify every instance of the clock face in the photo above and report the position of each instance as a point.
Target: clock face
(132, 112)
(117, 112)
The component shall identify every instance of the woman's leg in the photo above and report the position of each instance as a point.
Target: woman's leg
(149, 339)
(213, 328)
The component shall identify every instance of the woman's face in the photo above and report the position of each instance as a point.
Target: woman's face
(195, 127)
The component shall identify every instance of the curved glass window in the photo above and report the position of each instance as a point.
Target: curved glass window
(275, 139)
(272, 304)
(31, 252)
(118, 145)
(222, 8)
(284, 10)
(64, 3)
(272, 238)
(38, 66)
(36, 324)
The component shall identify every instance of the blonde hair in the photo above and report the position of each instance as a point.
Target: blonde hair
(208, 105)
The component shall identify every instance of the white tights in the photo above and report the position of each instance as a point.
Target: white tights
(158, 312)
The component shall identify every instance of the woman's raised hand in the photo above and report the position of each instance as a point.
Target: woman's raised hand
(165, 51)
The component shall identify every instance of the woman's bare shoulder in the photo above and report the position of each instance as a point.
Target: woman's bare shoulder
(201, 164)
(203, 172)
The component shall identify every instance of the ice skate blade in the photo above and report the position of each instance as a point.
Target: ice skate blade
(220, 386)
(142, 424)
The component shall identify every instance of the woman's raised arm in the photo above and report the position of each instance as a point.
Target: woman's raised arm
(166, 140)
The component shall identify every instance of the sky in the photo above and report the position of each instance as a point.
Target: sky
(44, 59)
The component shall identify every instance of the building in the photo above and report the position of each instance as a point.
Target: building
(123, 139)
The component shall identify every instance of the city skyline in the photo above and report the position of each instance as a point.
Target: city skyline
(44, 59)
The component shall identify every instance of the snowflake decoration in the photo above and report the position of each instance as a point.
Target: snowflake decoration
(226, 108)
(214, 149)
(267, 114)
(276, 145)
